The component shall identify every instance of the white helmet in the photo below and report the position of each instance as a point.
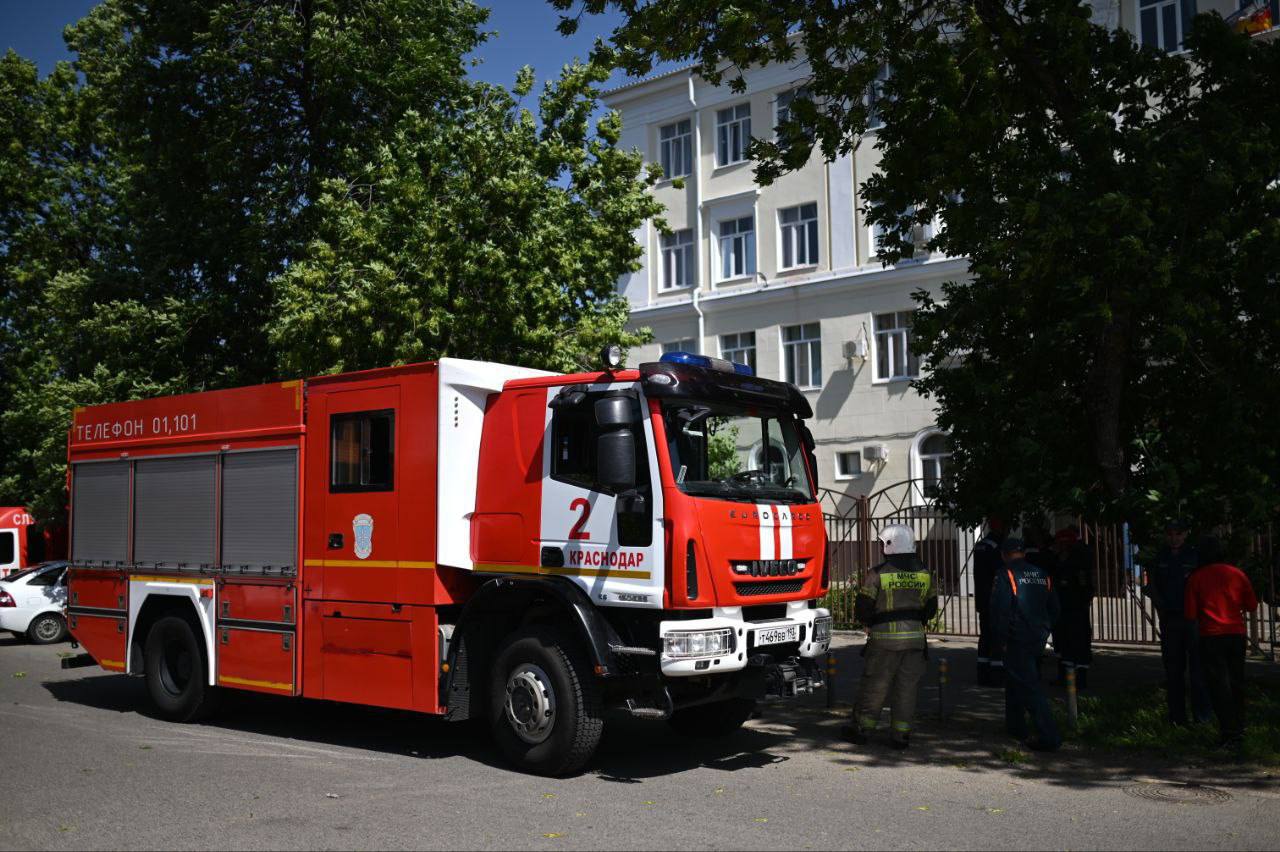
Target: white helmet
(897, 538)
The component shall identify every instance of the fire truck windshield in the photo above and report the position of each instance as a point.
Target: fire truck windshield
(735, 452)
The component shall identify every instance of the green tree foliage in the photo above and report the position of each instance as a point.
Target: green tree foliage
(723, 460)
(1114, 348)
(222, 193)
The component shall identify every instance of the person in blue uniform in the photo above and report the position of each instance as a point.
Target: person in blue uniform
(1024, 609)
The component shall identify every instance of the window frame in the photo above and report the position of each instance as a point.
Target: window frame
(842, 476)
(678, 250)
(749, 249)
(876, 343)
(874, 94)
(813, 354)
(782, 102)
(1184, 11)
(586, 410)
(679, 143)
(679, 346)
(726, 352)
(366, 439)
(810, 237)
(724, 131)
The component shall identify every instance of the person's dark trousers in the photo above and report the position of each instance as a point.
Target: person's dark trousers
(1180, 651)
(1074, 643)
(1024, 694)
(990, 666)
(1223, 660)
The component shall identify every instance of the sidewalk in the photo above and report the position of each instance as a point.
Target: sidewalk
(973, 736)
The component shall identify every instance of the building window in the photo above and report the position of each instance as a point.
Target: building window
(686, 345)
(935, 456)
(1163, 23)
(782, 106)
(739, 348)
(677, 259)
(799, 232)
(802, 354)
(875, 96)
(737, 247)
(848, 465)
(921, 234)
(733, 132)
(894, 358)
(675, 148)
(362, 451)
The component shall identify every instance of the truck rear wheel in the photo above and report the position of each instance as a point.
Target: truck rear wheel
(717, 719)
(544, 703)
(177, 677)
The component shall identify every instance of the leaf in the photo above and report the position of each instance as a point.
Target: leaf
(19, 674)
(552, 835)
(922, 807)
(761, 819)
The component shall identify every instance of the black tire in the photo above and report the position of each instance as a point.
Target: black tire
(177, 674)
(558, 742)
(47, 628)
(717, 719)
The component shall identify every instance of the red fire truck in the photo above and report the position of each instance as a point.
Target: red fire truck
(460, 538)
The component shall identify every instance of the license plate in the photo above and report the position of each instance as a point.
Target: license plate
(778, 635)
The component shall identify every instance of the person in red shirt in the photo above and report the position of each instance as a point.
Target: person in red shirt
(1217, 597)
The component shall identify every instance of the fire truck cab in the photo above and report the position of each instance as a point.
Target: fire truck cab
(460, 538)
(15, 521)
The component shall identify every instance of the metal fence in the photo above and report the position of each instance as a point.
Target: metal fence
(1121, 614)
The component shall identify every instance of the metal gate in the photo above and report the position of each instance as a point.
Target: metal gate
(1121, 614)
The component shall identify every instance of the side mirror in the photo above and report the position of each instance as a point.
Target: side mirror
(810, 451)
(616, 459)
(616, 411)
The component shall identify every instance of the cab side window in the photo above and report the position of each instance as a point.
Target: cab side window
(362, 451)
(8, 546)
(573, 445)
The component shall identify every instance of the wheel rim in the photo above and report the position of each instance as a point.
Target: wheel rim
(531, 704)
(176, 665)
(47, 629)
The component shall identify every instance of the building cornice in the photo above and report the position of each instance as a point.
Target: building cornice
(864, 278)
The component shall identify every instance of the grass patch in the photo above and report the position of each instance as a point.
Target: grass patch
(1136, 719)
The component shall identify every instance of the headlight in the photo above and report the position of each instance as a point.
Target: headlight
(822, 628)
(698, 643)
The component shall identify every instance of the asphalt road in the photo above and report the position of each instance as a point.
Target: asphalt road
(86, 767)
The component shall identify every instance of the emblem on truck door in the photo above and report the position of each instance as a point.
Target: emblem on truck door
(362, 527)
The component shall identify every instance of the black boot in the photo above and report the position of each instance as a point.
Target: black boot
(900, 741)
(854, 734)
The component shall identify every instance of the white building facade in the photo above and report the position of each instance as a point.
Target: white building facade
(784, 277)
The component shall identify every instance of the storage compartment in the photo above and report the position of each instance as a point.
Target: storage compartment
(100, 511)
(275, 603)
(260, 508)
(97, 590)
(174, 514)
(103, 636)
(257, 660)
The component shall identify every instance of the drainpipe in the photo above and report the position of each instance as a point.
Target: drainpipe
(697, 206)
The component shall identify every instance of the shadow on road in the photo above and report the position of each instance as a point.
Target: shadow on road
(971, 739)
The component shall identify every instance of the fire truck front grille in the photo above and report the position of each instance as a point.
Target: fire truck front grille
(769, 567)
(768, 587)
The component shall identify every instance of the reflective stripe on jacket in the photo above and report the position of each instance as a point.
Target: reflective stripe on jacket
(896, 601)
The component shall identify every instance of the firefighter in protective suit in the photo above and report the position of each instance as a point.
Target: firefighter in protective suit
(895, 604)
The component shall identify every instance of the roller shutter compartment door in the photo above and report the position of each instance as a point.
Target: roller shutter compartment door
(174, 512)
(100, 511)
(260, 508)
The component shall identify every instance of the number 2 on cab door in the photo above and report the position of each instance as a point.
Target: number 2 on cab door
(577, 533)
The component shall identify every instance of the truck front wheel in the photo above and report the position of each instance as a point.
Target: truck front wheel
(718, 719)
(544, 703)
(176, 675)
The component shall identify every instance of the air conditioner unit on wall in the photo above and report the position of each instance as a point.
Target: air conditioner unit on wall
(875, 452)
(856, 349)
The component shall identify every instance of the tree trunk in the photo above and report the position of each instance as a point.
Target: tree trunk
(1105, 385)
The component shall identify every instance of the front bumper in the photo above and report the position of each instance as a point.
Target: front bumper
(799, 614)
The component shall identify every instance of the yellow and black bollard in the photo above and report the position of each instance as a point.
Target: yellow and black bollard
(831, 679)
(942, 689)
(1073, 710)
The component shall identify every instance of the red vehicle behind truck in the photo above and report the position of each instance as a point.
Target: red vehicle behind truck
(15, 522)
(459, 538)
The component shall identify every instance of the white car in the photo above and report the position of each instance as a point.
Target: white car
(32, 603)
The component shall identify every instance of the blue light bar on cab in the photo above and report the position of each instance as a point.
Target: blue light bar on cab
(708, 362)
